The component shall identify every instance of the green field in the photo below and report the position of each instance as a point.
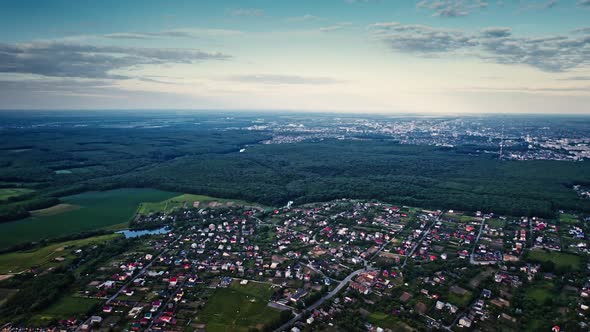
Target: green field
(6, 193)
(67, 307)
(185, 200)
(239, 308)
(86, 212)
(459, 300)
(388, 321)
(560, 259)
(568, 219)
(540, 292)
(496, 223)
(15, 262)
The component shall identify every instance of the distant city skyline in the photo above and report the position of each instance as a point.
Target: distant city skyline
(426, 56)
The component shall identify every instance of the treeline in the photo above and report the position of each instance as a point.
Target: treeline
(20, 210)
(410, 175)
(36, 294)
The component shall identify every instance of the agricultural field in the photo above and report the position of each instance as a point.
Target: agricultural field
(15, 262)
(239, 308)
(7, 193)
(185, 201)
(561, 260)
(79, 213)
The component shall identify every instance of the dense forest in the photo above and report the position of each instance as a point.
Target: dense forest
(56, 162)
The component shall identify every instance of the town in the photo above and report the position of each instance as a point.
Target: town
(344, 265)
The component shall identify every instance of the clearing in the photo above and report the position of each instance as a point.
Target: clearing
(16, 262)
(239, 308)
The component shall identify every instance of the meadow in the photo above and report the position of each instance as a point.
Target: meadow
(560, 259)
(15, 262)
(65, 308)
(184, 200)
(80, 213)
(7, 193)
(239, 308)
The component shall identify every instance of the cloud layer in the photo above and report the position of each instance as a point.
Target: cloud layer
(548, 53)
(87, 61)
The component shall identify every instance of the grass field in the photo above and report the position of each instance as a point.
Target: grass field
(496, 223)
(56, 209)
(6, 193)
(65, 308)
(459, 300)
(384, 320)
(560, 259)
(15, 262)
(185, 200)
(540, 292)
(239, 308)
(96, 210)
(568, 219)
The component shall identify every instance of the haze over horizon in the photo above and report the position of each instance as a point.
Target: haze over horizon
(428, 56)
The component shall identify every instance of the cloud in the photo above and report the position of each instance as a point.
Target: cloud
(176, 33)
(335, 27)
(584, 3)
(498, 45)
(575, 78)
(245, 12)
(451, 8)
(584, 90)
(283, 79)
(582, 31)
(547, 4)
(55, 59)
(303, 18)
(421, 39)
(496, 32)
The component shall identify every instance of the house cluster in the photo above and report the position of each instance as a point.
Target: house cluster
(546, 234)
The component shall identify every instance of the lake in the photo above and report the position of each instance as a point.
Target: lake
(129, 234)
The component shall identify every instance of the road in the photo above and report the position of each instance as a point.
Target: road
(126, 285)
(324, 298)
(471, 260)
(419, 241)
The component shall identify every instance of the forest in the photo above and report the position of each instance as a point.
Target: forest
(205, 159)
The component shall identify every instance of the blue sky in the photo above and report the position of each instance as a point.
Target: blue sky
(430, 56)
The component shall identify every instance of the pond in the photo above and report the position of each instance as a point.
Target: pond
(137, 233)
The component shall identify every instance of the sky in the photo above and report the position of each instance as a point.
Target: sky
(383, 56)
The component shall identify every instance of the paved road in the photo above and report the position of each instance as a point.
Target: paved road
(126, 285)
(321, 301)
(419, 241)
(471, 260)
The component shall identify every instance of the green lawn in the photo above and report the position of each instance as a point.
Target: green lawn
(560, 259)
(459, 300)
(79, 213)
(384, 320)
(540, 292)
(496, 223)
(67, 307)
(568, 219)
(6, 193)
(239, 308)
(184, 200)
(15, 262)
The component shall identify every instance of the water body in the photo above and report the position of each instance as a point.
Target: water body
(137, 233)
